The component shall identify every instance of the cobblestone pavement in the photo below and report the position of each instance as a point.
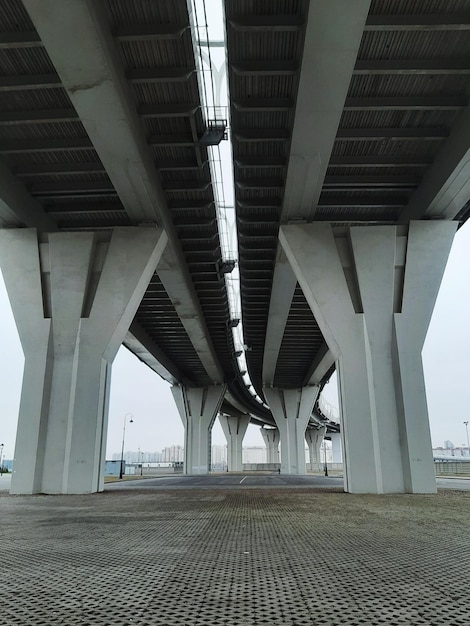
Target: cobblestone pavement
(220, 557)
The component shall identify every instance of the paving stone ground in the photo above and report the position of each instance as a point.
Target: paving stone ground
(258, 557)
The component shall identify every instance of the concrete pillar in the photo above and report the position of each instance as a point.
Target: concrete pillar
(271, 438)
(198, 408)
(314, 437)
(234, 430)
(291, 409)
(73, 296)
(336, 449)
(372, 291)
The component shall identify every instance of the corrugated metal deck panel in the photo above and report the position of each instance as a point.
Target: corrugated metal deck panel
(159, 319)
(257, 80)
(123, 12)
(184, 187)
(414, 45)
(13, 17)
(296, 357)
(390, 7)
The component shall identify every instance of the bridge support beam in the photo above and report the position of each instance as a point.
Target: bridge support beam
(198, 407)
(271, 438)
(234, 430)
(73, 296)
(372, 291)
(336, 448)
(291, 409)
(314, 437)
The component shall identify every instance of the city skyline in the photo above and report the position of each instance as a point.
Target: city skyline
(175, 454)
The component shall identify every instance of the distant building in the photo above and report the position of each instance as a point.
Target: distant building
(219, 457)
(251, 454)
(172, 454)
(439, 451)
(7, 465)
(112, 468)
(254, 454)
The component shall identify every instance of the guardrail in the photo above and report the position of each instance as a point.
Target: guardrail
(328, 410)
(453, 468)
(274, 467)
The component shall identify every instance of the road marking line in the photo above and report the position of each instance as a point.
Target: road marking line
(244, 478)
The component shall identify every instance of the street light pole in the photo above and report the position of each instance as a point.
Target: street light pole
(326, 464)
(468, 441)
(123, 438)
(1, 457)
(140, 456)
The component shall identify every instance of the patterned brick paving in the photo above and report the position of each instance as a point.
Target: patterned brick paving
(235, 558)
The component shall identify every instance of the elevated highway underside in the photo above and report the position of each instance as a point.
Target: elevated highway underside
(350, 133)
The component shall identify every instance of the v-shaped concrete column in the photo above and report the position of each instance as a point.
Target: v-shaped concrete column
(198, 408)
(234, 430)
(336, 448)
(291, 409)
(271, 438)
(73, 296)
(314, 438)
(372, 291)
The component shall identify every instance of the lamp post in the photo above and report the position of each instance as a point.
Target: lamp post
(140, 456)
(326, 464)
(468, 441)
(1, 457)
(123, 437)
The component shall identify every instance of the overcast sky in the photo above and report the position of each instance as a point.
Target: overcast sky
(137, 390)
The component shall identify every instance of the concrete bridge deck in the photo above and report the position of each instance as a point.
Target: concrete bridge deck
(233, 556)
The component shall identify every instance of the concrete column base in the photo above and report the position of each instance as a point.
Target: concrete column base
(271, 438)
(314, 438)
(336, 448)
(372, 291)
(73, 296)
(292, 408)
(198, 407)
(234, 430)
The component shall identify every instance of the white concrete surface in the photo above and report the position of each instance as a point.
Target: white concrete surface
(336, 448)
(445, 187)
(91, 73)
(291, 409)
(73, 296)
(284, 284)
(198, 407)
(328, 52)
(372, 291)
(234, 428)
(314, 438)
(17, 206)
(271, 438)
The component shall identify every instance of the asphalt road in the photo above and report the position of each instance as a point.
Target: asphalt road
(462, 484)
(235, 481)
(228, 481)
(247, 481)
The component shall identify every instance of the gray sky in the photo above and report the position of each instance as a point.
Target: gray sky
(137, 390)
